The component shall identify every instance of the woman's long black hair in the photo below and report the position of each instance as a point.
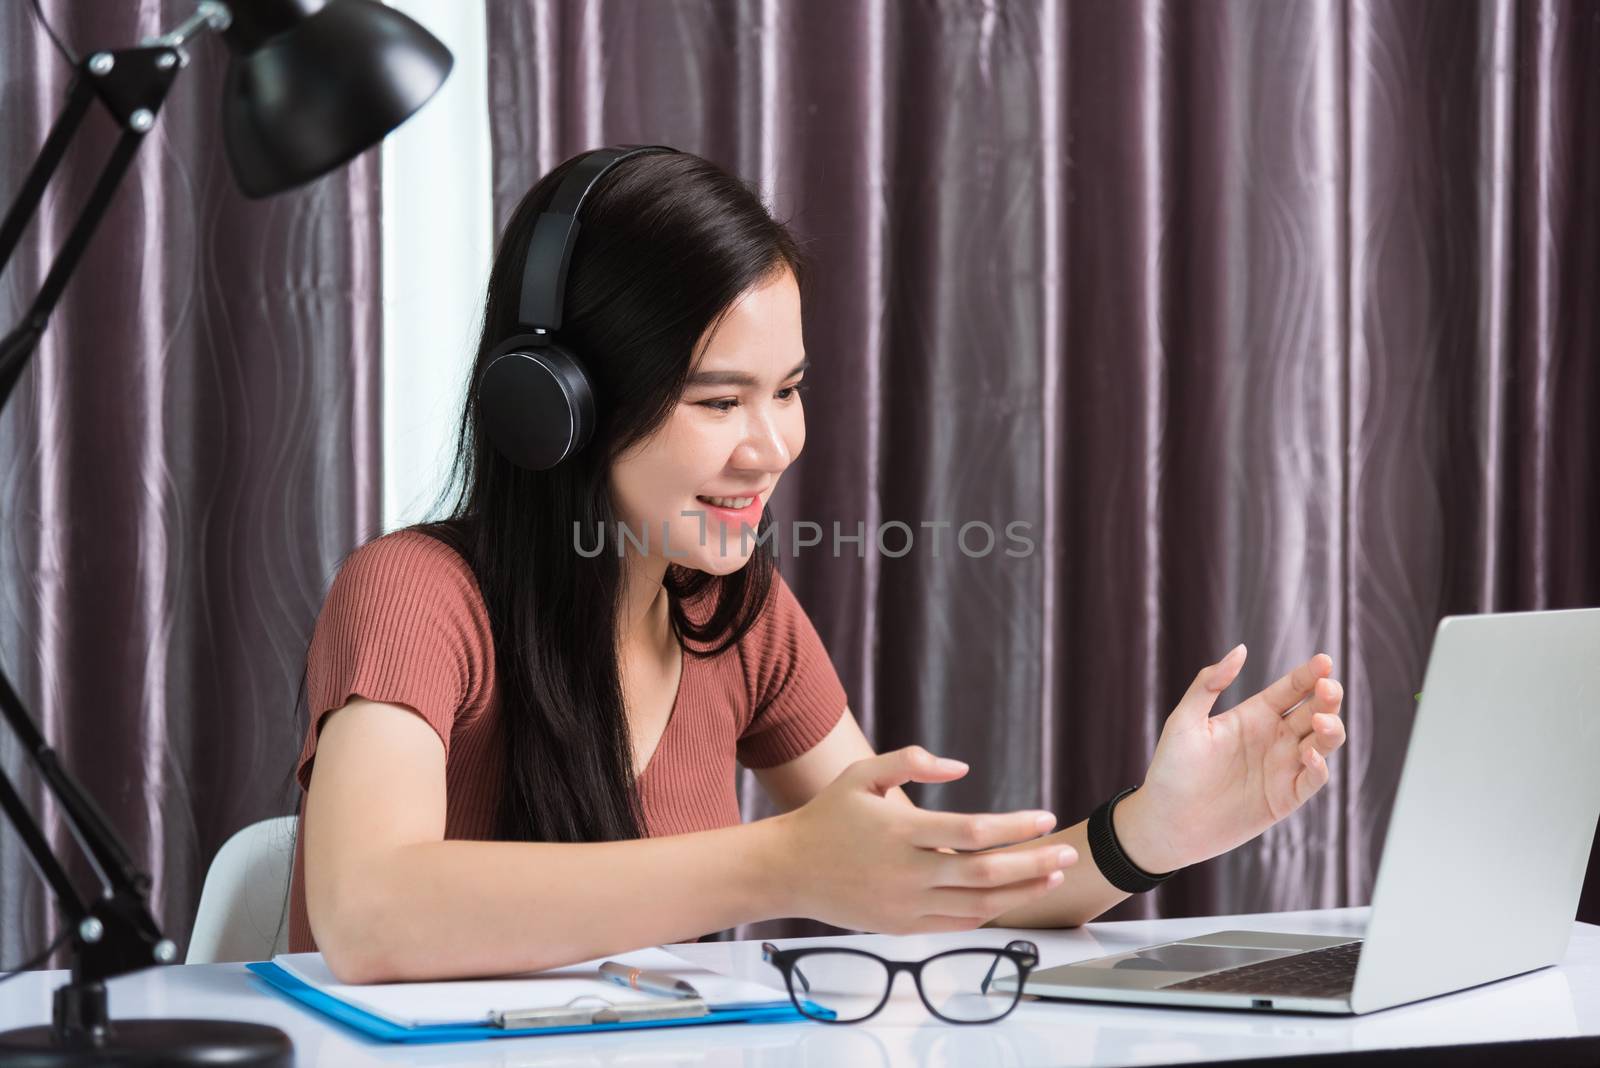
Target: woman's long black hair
(667, 244)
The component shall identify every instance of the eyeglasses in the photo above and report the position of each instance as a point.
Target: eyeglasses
(851, 985)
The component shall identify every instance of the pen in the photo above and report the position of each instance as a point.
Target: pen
(649, 982)
(569, 1016)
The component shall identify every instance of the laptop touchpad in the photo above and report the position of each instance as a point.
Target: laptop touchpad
(1179, 957)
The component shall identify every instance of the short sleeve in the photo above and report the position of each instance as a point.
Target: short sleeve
(796, 697)
(404, 624)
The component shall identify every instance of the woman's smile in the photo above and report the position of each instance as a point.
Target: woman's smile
(723, 509)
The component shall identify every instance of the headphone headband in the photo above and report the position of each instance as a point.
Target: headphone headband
(544, 272)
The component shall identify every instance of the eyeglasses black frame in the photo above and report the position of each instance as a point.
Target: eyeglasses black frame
(1020, 952)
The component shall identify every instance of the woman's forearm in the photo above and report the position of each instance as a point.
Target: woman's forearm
(1084, 893)
(450, 909)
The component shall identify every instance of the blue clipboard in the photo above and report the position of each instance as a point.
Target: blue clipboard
(377, 1027)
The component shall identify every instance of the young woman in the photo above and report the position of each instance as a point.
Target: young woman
(522, 753)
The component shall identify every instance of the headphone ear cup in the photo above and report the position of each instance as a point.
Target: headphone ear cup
(536, 402)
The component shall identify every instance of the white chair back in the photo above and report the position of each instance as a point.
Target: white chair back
(243, 915)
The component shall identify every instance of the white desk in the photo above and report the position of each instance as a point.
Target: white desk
(1551, 1003)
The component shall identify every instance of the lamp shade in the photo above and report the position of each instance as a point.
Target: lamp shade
(309, 86)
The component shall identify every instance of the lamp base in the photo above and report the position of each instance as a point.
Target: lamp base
(152, 1043)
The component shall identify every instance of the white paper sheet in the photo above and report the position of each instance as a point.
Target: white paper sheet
(473, 1001)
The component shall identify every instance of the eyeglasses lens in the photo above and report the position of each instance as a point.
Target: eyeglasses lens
(962, 985)
(851, 985)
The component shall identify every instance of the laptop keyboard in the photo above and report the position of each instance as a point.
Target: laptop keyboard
(1316, 973)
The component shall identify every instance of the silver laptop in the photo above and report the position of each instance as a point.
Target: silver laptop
(1486, 851)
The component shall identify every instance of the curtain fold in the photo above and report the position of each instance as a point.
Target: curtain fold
(1267, 318)
(188, 457)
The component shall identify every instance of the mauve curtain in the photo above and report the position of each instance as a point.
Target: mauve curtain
(192, 451)
(1276, 321)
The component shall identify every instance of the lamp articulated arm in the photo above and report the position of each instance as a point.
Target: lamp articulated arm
(311, 83)
(115, 932)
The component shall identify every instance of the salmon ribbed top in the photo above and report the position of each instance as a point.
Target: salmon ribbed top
(404, 623)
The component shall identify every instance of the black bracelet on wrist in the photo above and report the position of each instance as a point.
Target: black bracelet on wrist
(1113, 863)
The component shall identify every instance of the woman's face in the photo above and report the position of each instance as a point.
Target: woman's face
(737, 427)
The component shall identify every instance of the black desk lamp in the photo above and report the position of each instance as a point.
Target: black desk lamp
(310, 84)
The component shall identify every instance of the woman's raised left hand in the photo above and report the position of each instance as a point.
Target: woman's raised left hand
(1216, 782)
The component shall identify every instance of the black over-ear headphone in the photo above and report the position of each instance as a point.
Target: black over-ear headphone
(535, 400)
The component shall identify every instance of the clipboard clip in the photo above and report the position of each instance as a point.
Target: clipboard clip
(571, 1015)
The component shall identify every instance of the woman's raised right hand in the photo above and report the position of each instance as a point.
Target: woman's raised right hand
(859, 859)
